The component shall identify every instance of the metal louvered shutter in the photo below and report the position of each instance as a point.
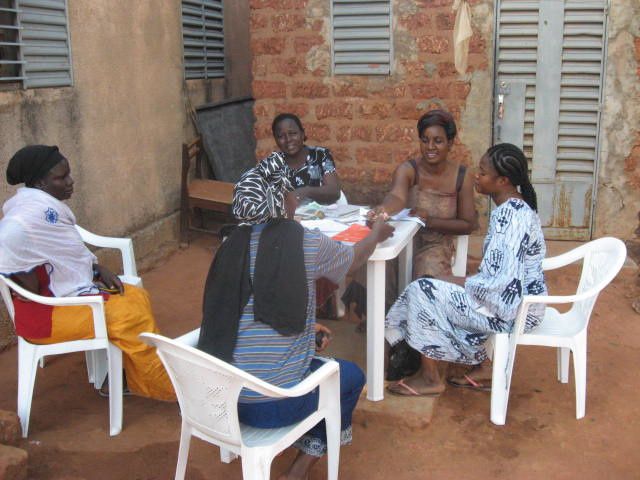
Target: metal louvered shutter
(46, 49)
(361, 37)
(550, 53)
(203, 38)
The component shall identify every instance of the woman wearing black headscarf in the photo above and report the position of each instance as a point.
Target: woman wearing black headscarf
(42, 251)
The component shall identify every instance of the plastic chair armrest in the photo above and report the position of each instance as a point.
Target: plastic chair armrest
(95, 302)
(125, 245)
(190, 339)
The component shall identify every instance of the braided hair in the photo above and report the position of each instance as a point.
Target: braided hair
(509, 161)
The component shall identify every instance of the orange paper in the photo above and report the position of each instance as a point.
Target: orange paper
(353, 234)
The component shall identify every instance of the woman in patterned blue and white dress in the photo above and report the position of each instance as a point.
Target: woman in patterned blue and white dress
(450, 319)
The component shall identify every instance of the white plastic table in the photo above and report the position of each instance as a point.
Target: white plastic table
(401, 246)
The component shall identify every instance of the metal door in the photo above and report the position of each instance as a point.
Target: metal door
(548, 88)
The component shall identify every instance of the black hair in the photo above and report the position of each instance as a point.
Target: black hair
(509, 161)
(285, 116)
(438, 117)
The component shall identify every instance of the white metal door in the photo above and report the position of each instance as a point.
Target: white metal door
(548, 87)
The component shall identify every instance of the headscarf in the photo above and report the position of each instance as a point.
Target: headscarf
(259, 194)
(31, 163)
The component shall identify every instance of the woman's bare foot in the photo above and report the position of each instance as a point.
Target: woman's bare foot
(418, 385)
(478, 378)
(299, 469)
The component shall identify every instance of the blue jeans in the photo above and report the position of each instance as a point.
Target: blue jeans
(280, 413)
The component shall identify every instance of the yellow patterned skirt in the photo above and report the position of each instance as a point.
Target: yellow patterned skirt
(127, 316)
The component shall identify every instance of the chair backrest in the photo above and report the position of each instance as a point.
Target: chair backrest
(459, 260)
(342, 200)
(602, 260)
(207, 387)
(5, 292)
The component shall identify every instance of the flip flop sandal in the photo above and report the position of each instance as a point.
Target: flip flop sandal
(410, 391)
(471, 384)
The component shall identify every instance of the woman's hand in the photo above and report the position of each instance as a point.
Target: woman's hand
(108, 278)
(325, 334)
(421, 213)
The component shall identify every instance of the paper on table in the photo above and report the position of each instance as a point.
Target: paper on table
(326, 226)
(403, 215)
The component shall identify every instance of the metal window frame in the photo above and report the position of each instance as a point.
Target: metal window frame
(207, 72)
(24, 76)
(390, 39)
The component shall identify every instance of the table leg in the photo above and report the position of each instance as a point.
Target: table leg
(375, 329)
(405, 267)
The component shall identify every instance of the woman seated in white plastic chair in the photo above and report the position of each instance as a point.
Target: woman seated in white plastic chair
(42, 251)
(450, 318)
(259, 305)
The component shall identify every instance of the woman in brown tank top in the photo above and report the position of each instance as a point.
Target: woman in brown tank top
(440, 191)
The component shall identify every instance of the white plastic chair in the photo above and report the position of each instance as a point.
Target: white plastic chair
(459, 260)
(102, 356)
(208, 390)
(602, 260)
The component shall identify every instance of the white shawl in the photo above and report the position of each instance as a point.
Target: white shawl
(38, 229)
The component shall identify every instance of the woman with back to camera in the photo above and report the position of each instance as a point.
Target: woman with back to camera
(450, 319)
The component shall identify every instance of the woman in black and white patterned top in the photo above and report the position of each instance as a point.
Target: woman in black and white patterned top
(313, 173)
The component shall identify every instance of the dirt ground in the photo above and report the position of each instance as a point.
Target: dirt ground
(68, 437)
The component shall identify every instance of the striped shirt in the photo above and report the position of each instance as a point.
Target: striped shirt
(263, 352)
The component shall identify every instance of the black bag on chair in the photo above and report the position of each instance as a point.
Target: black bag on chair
(404, 361)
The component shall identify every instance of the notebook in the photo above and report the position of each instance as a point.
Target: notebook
(353, 234)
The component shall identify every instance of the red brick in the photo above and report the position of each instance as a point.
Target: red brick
(341, 155)
(288, 66)
(477, 44)
(416, 21)
(432, 44)
(374, 110)
(262, 131)
(395, 133)
(403, 153)
(310, 90)
(278, 4)
(263, 110)
(263, 152)
(351, 133)
(317, 25)
(334, 110)
(317, 132)
(260, 66)
(460, 90)
(258, 21)
(351, 174)
(306, 43)
(435, 3)
(445, 21)
(350, 88)
(382, 176)
(429, 90)
(373, 154)
(406, 110)
(267, 46)
(266, 89)
(447, 69)
(395, 91)
(299, 109)
(287, 22)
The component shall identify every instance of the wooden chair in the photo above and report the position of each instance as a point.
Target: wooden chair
(199, 193)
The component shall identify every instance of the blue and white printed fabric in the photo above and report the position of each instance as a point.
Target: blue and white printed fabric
(443, 320)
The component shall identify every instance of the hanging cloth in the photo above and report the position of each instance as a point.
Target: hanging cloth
(461, 35)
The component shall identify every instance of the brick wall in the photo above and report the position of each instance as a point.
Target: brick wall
(632, 169)
(367, 121)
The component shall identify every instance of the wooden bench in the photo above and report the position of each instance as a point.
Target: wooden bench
(198, 193)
